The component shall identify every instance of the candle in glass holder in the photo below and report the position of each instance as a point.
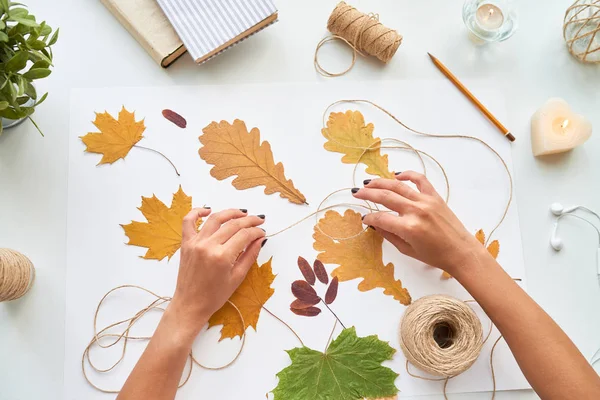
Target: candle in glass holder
(489, 17)
(556, 129)
(490, 20)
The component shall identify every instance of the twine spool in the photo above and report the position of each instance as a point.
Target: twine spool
(441, 335)
(16, 275)
(581, 28)
(363, 32)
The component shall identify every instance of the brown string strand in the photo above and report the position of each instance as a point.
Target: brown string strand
(440, 136)
(158, 152)
(286, 324)
(156, 304)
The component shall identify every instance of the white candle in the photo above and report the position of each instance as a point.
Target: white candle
(555, 128)
(489, 17)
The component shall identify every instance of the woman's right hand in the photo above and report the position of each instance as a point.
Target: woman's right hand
(423, 226)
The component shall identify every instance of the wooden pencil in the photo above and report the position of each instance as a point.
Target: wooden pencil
(471, 97)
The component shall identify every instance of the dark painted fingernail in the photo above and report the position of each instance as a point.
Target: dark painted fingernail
(372, 227)
(363, 217)
(261, 216)
(264, 242)
(207, 207)
(355, 190)
(366, 182)
(243, 210)
(397, 173)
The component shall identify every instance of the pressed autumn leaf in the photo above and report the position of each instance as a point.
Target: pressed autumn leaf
(321, 272)
(493, 248)
(307, 311)
(350, 369)
(116, 137)
(161, 235)
(304, 292)
(299, 304)
(347, 133)
(249, 298)
(358, 257)
(332, 291)
(235, 151)
(306, 270)
(175, 118)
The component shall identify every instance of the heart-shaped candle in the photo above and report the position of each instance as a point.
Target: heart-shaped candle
(555, 128)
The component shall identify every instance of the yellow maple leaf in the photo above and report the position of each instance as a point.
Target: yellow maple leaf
(347, 133)
(359, 257)
(235, 151)
(249, 298)
(493, 248)
(116, 138)
(161, 235)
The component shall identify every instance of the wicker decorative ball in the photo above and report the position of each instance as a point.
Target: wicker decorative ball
(582, 30)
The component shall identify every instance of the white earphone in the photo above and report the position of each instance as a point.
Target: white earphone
(561, 212)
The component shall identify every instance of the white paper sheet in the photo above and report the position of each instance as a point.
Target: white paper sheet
(290, 118)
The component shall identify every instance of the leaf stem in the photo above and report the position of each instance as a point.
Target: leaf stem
(283, 322)
(158, 152)
(331, 311)
(36, 126)
(330, 336)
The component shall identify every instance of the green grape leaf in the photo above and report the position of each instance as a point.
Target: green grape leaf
(350, 369)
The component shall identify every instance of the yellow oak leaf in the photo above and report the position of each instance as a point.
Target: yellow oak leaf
(358, 257)
(161, 235)
(347, 133)
(249, 298)
(116, 138)
(493, 248)
(235, 151)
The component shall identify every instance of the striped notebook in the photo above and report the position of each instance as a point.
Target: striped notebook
(208, 27)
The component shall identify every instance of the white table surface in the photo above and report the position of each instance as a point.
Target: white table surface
(95, 51)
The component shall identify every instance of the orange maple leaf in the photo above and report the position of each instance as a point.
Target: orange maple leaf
(116, 138)
(249, 298)
(235, 151)
(161, 235)
(493, 248)
(358, 257)
(347, 133)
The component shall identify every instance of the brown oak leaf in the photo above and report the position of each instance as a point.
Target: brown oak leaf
(358, 257)
(235, 151)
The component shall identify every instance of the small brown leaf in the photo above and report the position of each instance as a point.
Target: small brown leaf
(306, 270)
(300, 305)
(307, 312)
(304, 292)
(321, 272)
(332, 291)
(175, 118)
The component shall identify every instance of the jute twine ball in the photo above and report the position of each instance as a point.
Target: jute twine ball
(441, 335)
(363, 32)
(581, 28)
(16, 275)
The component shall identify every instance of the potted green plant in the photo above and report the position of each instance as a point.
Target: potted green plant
(25, 55)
